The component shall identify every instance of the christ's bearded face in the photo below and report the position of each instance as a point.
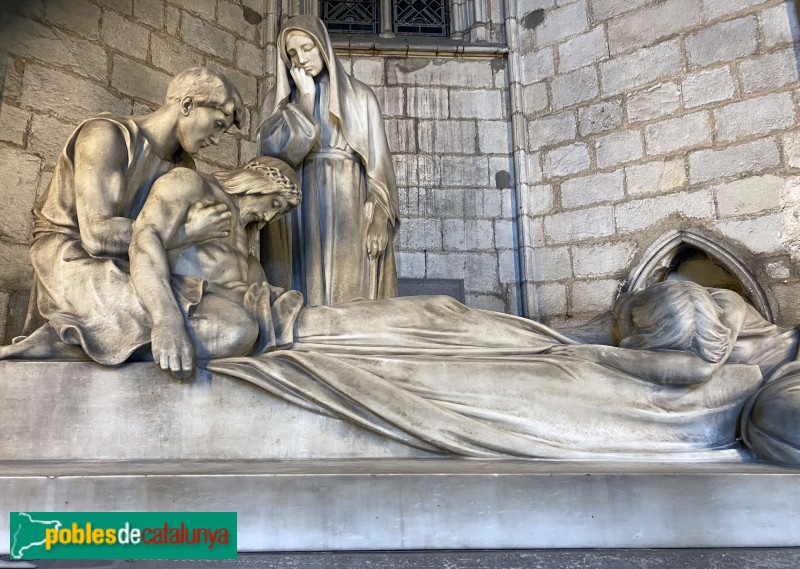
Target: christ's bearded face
(262, 208)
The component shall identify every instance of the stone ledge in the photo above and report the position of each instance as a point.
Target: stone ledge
(785, 558)
(84, 411)
(78, 436)
(440, 466)
(414, 46)
(434, 504)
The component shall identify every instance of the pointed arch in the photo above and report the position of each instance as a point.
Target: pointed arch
(667, 252)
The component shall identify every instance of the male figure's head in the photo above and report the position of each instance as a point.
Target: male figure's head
(208, 104)
(264, 189)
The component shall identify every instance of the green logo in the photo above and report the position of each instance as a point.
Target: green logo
(123, 535)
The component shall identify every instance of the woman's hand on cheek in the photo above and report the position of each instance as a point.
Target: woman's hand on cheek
(305, 86)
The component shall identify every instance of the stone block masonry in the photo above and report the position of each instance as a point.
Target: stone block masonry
(68, 60)
(448, 125)
(624, 119)
(447, 119)
(447, 122)
(692, 123)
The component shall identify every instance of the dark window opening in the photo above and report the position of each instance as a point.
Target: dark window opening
(420, 17)
(409, 17)
(692, 264)
(351, 16)
(425, 287)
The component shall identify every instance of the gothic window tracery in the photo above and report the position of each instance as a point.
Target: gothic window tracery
(351, 16)
(420, 17)
(386, 17)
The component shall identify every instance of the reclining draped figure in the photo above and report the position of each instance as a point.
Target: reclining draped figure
(659, 382)
(667, 374)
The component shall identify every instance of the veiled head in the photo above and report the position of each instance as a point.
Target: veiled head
(672, 315)
(303, 52)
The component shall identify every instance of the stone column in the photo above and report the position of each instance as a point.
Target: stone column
(459, 18)
(479, 26)
(387, 31)
(275, 11)
(526, 287)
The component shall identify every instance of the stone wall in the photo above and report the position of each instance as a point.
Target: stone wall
(67, 60)
(447, 126)
(645, 116)
(447, 123)
(626, 118)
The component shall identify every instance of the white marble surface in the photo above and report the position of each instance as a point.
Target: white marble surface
(96, 439)
(434, 504)
(84, 411)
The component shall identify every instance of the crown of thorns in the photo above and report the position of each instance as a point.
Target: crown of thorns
(271, 173)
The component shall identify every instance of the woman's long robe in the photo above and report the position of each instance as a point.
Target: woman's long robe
(342, 158)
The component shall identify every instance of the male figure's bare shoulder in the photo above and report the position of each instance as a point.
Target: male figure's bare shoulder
(100, 142)
(180, 184)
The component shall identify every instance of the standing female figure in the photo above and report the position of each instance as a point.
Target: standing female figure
(337, 245)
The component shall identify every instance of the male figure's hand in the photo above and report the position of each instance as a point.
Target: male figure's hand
(173, 349)
(206, 220)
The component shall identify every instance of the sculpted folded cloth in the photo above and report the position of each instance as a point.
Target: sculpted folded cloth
(203, 299)
(434, 374)
(238, 312)
(82, 294)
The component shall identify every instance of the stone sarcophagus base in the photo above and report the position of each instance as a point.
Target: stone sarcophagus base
(85, 438)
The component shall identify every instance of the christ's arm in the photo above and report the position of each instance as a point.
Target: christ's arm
(157, 229)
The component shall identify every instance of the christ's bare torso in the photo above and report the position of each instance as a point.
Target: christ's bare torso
(223, 261)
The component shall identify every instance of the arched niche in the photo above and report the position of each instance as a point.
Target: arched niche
(690, 255)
